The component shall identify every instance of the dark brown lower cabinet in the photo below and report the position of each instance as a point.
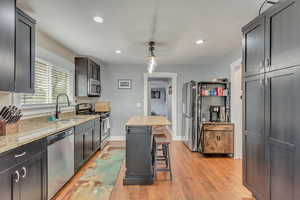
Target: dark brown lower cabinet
(96, 135)
(26, 179)
(85, 139)
(79, 148)
(88, 143)
(32, 183)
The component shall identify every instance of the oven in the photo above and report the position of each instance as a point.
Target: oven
(105, 128)
(94, 88)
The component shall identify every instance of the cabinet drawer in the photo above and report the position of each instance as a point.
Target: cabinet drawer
(228, 127)
(20, 154)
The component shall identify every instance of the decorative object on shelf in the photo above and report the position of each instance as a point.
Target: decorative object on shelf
(124, 84)
(9, 120)
(155, 94)
(218, 91)
(152, 63)
(103, 106)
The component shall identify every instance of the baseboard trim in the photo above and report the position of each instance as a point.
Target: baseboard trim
(175, 138)
(117, 138)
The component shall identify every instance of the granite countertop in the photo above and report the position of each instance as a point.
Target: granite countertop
(39, 130)
(148, 121)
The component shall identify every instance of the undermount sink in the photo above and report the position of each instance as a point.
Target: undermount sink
(74, 119)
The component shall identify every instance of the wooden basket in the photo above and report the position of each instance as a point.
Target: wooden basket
(102, 106)
(7, 129)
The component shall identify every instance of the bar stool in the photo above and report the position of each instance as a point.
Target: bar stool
(162, 142)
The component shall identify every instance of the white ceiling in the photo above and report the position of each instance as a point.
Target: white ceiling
(128, 26)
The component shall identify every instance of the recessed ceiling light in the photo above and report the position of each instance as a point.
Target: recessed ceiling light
(118, 51)
(199, 41)
(98, 19)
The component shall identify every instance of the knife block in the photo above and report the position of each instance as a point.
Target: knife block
(7, 129)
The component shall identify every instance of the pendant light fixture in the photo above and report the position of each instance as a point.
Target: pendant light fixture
(152, 63)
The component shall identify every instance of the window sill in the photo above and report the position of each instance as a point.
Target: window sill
(42, 110)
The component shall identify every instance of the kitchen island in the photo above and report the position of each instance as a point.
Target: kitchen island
(140, 149)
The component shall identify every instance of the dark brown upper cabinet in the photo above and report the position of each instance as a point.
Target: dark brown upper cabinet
(25, 53)
(254, 47)
(17, 49)
(282, 35)
(87, 78)
(7, 44)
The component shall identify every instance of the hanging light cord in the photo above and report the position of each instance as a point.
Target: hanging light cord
(264, 3)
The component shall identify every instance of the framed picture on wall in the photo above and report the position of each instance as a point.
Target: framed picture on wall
(124, 84)
(155, 94)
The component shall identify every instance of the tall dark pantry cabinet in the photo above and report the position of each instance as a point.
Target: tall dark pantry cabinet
(271, 103)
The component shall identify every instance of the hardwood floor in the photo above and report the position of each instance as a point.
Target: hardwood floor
(194, 178)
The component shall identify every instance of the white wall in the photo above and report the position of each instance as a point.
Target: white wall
(169, 101)
(124, 102)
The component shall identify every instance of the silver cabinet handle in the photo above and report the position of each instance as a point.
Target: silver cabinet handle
(20, 155)
(18, 176)
(24, 172)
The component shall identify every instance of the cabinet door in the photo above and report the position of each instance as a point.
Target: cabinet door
(213, 142)
(33, 178)
(254, 165)
(96, 135)
(282, 30)
(7, 44)
(79, 147)
(90, 69)
(25, 53)
(283, 139)
(10, 184)
(88, 143)
(81, 77)
(253, 47)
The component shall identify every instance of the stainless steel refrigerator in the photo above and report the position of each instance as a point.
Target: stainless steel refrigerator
(190, 115)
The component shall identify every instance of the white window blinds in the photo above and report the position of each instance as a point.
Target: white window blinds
(49, 82)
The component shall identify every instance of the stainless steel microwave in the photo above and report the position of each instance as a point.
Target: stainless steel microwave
(94, 88)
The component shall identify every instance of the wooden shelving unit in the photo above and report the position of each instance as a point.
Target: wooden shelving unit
(215, 137)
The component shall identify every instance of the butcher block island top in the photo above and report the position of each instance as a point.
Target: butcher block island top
(148, 121)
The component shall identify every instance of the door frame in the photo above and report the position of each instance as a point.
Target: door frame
(238, 135)
(173, 77)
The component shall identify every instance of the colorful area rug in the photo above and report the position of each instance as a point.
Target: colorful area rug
(98, 180)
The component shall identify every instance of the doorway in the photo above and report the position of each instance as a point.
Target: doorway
(236, 106)
(160, 97)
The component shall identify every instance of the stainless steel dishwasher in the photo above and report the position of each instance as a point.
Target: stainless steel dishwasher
(60, 160)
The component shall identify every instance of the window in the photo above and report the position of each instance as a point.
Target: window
(49, 82)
